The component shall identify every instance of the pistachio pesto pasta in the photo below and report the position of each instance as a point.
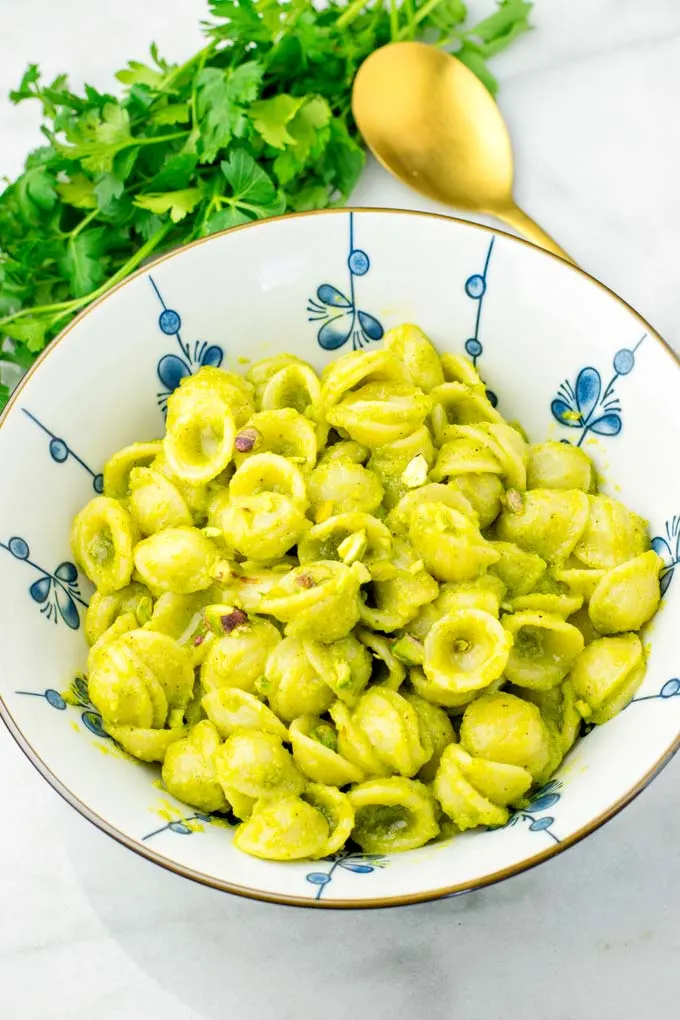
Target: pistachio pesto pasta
(357, 607)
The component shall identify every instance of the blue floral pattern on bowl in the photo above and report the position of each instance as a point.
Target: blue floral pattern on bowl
(671, 689)
(180, 826)
(60, 451)
(58, 592)
(356, 862)
(668, 548)
(341, 316)
(544, 799)
(588, 407)
(79, 698)
(172, 368)
(475, 288)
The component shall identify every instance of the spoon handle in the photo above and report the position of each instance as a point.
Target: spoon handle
(524, 225)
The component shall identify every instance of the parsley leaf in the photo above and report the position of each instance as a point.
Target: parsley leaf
(78, 192)
(271, 116)
(253, 189)
(82, 262)
(222, 96)
(177, 203)
(36, 191)
(139, 74)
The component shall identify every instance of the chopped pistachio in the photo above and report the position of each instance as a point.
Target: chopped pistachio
(362, 572)
(324, 511)
(221, 572)
(223, 619)
(175, 718)
(326, 735)
(515, 501)
(262, 686)
(382, 570)
(353, 547)
(230, 621)
(408, 649)
(246, 440)
(305, 581)
(144, 610)
(343, 676)
(212, 532)
(415, 472)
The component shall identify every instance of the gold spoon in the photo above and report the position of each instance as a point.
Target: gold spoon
(431, 122)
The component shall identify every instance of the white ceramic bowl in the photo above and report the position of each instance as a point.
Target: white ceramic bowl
(549, 341)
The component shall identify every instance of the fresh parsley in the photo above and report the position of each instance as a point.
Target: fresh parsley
(256, 122)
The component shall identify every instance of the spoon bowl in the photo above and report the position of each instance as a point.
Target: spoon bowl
(431, 122)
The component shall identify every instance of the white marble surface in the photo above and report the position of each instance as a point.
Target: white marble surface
(88, 929)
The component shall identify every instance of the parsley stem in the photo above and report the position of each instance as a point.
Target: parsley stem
(179, 71)
(154, 141)
(66, 307)
(394, 21)
(408, 7)
(140, 255)
(421, 13)
(83, 223)
(350, 14)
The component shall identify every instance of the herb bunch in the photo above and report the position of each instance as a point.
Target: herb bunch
(256, 123)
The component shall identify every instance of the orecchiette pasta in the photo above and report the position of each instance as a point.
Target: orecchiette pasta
(176, 560)
(612, 535)
(607, 674)
(464, 652)
(283, 827)
(285, 432)
(343, 665)
(291, 683)
(239, 657)
(558, 466)
(627, 596)
(189, 771)
(504, 728)
(256, 763)
(380, 412)
(392, 814)
(356, 369)
(483, 491)
(155, 503)
(199, 441)
(341, 485)
(359, 606)
(117, 469)
(231, 709)
(103, 537)
(476, 791)
(413, 350)
(544, 649)
(234, 390)
(105, 609)
(396, 463)
(548, 522)
(315, 750)
(450, 543)
(485, 593)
